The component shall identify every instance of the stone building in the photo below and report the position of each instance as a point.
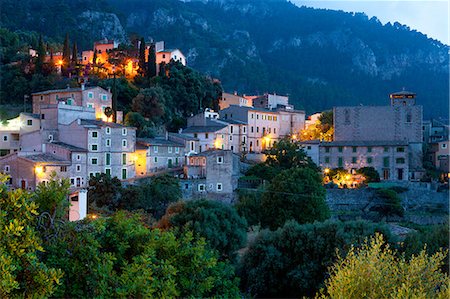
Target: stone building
(389, 158)
(212, 174)
(161, 154)
(12, 130)
(91, 97)
(399, 122)
(228, 99)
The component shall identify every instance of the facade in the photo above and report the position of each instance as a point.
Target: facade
(440, 155)
(91, 97)
(272, 101)
(212, 174)
(389, 158)
(161, 154)
(399, 122)
(167, 55)
(435, 131)
(311, 148)
(228, 99)
(12, 130)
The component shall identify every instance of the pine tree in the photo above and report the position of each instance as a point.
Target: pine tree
(66, 54)
(142, 64)
(41, 56)
(151, 61)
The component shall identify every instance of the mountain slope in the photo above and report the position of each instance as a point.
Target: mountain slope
(320, 57)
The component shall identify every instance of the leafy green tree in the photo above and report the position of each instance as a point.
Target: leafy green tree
(120, 256)
(151, 61)
(104, 191)
(293, 260)
(370, 173)
(376, 269)
(217, 222)
(287, 154)
(391, 203)
(52, 196)
(135, 119)
(294, 194)
(151, 103)
(22, 274)
(249, 206)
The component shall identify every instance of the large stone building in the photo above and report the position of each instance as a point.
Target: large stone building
(12, 130)
(91, 97)
(399, 122)
(228, 99)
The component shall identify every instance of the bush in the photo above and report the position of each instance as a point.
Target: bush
(293, 260)
(218, 223)
(249, 206)
(391, 203)
(294, 194)
(370, 173)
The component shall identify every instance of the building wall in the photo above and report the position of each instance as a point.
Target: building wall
(228, 99)
(164, 56)
(74, 97)
(97, 98)
(158, 157)
(378, 154)
(378, 123)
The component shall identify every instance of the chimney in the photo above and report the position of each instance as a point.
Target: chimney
(82, 86)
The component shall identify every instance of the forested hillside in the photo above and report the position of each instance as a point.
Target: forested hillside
(321, 58)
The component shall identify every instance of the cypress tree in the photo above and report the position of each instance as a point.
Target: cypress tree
(142, 64)
(41, 56)
(94, 59)
(74, 54)
(151, 61)
(162, 69)
(66, 54)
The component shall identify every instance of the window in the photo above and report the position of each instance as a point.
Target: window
(90, 95)
(231, 129)
(369, 160)
(29, 122)
(408, 117)
(94, 134)
(192, 146)
(257, 116)
(219, 187)
(107, 159)
(108, 171)
(386, 149)
(72, 182)
(177, 150)
(353, 160)
(103, 97)
(195, 135)
(63, 169)
(164, 56)
(231, 138)
(251, 129)
(308, 147)
(400, 149)
(169, 149)
(444, 145)
(108, 130)
(124, 173)
(206, 135)
(78, 167)
(201, 187)
(124, 143)
(252, 115)
(257, 129)
(400, 160)
(354, 149)
(369, 149)
(275, 119)
(244, 129)
(108, 142)
(124, 159)
(7, 168)
(5, 137)
(42, 116)
(94, 161)
(156, 159)
(340, 162)
(327, 159)
(386, 161)
(327, 150)
(155, 149)
(90, 105)
(94, 147)
(340, 149)
(124, 132)
(219, 160)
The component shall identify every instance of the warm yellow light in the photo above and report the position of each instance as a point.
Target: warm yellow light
(327, 170)
(217, 143)
(93, 216)
(267, 138)
(39, 169)
(60, 62)
(348, 177)
(294, 137)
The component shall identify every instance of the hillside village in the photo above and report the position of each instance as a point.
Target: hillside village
(78, 133)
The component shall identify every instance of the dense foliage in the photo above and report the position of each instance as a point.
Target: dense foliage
(120, 257)
(293, 260)
(217, 222)
(22, 273)
(376, 269)
(294, 194)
